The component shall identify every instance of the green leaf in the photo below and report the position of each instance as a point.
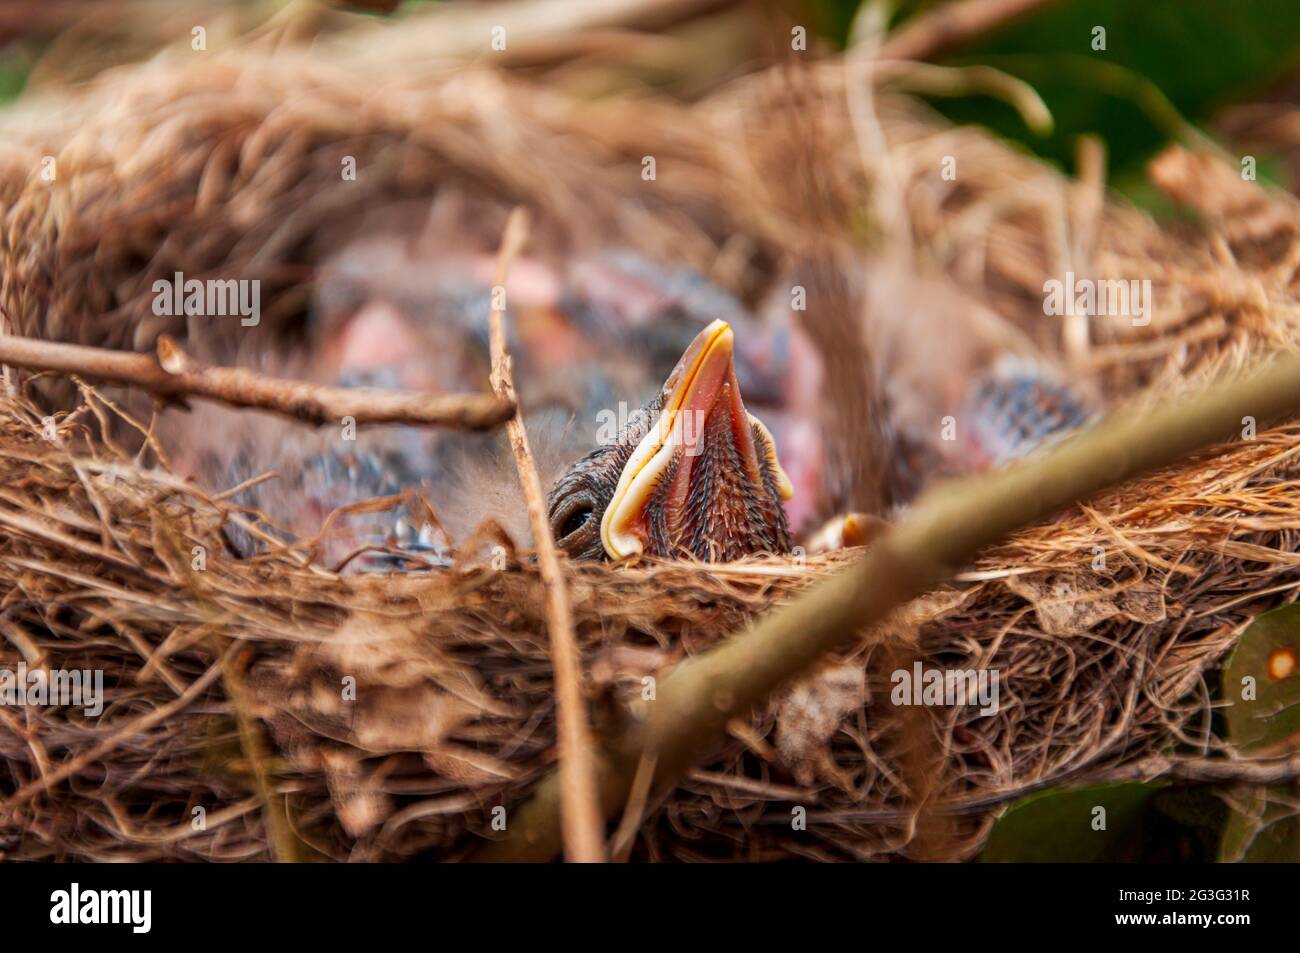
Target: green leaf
(1060, 825)
(1148, 822)
(1262, 682)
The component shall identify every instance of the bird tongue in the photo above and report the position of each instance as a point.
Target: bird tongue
(703, 422)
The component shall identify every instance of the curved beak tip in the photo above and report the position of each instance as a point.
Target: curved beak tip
(694, 390)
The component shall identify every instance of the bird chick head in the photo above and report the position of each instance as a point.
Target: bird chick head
(691, 475)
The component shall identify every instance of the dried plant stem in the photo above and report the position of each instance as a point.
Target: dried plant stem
(1188, 770)
(1208, 770)
(532, 24)
(952, 24)
(944, 531)
(253, 743)
(581, 824)
(240, 387)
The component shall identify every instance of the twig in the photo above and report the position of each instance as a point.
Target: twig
(173, 375)
(865, 38)
(1085, 211)
(252, 741)
(1207, 770)
(947, 527)
(634, 812)
(530, 24)
(1150, 768)
(931, 80)
(951, 25)
(583, 830)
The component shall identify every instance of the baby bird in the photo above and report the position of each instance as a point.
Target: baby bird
(691, 474)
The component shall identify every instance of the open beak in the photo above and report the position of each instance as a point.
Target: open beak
(673, 472)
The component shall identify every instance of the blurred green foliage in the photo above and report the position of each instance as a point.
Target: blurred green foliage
(1061, 826)
(1108, 823)
(13, 74)
(1164, 59)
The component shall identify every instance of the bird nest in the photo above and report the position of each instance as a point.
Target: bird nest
(267, 707)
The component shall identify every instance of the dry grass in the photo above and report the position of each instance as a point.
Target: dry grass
(454, 703)
(226, 683)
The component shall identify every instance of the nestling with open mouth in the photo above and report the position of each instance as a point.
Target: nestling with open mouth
(692, 475)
